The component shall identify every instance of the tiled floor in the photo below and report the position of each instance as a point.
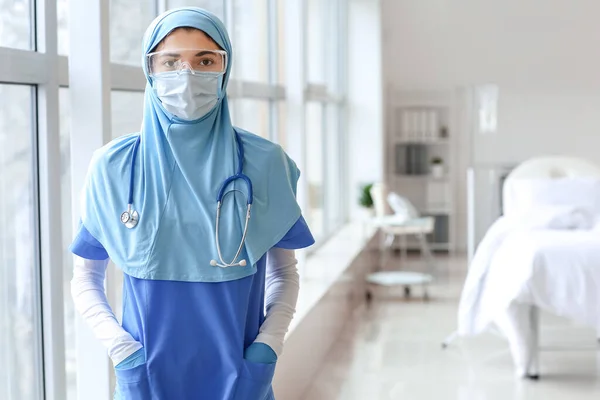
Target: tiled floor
(392, 351)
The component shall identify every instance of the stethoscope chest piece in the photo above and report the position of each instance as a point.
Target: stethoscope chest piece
(130, 218)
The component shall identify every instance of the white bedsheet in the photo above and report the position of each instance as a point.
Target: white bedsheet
(550, 258)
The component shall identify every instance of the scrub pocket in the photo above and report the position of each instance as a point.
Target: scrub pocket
(132, 384)
(254, 381)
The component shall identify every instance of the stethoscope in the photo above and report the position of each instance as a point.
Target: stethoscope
(131, 217)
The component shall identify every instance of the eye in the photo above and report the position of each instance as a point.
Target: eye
(206, 62)
(169, 63)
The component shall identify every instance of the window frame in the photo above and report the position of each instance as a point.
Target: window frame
(331, 92)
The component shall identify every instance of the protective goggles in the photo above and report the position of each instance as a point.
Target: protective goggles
(195, 60)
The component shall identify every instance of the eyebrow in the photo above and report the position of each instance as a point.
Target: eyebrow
(169, 54)
(204, 52)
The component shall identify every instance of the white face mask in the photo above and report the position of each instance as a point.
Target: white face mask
(188, 95)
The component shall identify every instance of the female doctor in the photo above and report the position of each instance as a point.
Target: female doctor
(203, 221)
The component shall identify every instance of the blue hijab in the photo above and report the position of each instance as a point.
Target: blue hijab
(179, 168)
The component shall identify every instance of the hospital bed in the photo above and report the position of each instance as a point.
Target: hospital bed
(543, 254)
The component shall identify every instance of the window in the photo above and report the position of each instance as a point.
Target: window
(252, 115)
(333, 48)
(67, 238)
(214, 6)
(280, 42)
(15, 24)
(324, 140)
(128, 22)
(127, 112)
(249, 33)
(20, 323)
(315, 167)
(62, 16)
(280, 134)
(333, 166)
(315, 42)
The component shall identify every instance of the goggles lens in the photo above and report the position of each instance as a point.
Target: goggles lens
(195, 60)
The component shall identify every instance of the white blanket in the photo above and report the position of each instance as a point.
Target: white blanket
(549, 257)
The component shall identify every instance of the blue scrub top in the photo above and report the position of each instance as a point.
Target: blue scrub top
(194, 333)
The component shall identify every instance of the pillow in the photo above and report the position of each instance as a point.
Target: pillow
(557, 218)
(524, 195)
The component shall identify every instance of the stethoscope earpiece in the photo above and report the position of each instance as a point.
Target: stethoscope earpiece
(214, 263)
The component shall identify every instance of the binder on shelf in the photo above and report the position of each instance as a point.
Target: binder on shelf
(401, 159)
(405, 125)
(411, 159)
(414, 135)
(423, 131)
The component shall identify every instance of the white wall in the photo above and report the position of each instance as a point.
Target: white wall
(534, 121)
(542, 55)
(533, 43)
(365, 98)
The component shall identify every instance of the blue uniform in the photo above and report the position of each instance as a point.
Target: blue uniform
(194, 333)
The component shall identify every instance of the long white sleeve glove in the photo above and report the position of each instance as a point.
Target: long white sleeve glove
(87, 289)
(281, 295)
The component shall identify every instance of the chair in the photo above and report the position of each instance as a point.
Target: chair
(404, 222)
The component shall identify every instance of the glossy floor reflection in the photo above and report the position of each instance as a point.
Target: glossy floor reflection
(392, 351)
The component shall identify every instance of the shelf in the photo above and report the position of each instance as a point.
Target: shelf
(438, 142)
(434, 212)
(423, 127)
(439, 246)
(422, 177)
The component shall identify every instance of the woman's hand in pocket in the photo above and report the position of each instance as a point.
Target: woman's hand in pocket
(260, 353)
(132, 378)
(136, 359)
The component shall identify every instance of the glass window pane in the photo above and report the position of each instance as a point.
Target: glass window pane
(15, 24)
(281, 134)
(314, 167)
(252, 115)
(127, 112)
(315, 42)
(128, 22)
(281, 43)
(333, 46)
(214, 6)
(62, 16)
(333, 161)
(20, 329)
(67, 232)
(250, 40)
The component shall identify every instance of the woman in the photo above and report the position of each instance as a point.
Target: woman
(193, 314)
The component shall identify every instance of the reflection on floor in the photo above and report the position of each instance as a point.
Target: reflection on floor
(392, 351)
